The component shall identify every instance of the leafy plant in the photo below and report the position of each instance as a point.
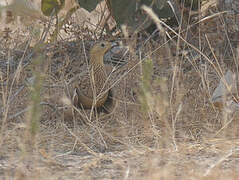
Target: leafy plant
(51, 7)
(129, 12)
(89, 5)
(146, 96)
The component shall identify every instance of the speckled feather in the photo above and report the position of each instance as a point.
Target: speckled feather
(91, 87)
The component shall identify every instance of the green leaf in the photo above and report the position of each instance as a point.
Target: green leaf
(89, 5)
(162, 9)
(123, 11)
(129, 12)
(49, 6)
(147, 2)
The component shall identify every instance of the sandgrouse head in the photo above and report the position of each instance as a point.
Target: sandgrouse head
(98, 50)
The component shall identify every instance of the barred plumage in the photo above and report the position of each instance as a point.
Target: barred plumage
(91, 88)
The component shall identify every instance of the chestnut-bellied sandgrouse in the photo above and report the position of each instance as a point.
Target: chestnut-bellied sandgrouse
(91, 88)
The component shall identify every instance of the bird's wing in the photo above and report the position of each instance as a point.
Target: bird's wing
(86, 101)
(82, 93)
(110, 103)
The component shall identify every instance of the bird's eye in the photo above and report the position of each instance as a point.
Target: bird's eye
(102, 45)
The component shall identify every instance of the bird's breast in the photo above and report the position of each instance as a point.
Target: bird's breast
(93, 88)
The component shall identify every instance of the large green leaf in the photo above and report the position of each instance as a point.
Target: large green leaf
(89, 5)
(162, 9)
(49, 6)
(147, 2)
(123, 11)
(129, 12)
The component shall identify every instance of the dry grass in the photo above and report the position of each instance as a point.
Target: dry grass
(164, 127)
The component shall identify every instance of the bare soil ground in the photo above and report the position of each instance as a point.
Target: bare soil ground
(164, 126)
